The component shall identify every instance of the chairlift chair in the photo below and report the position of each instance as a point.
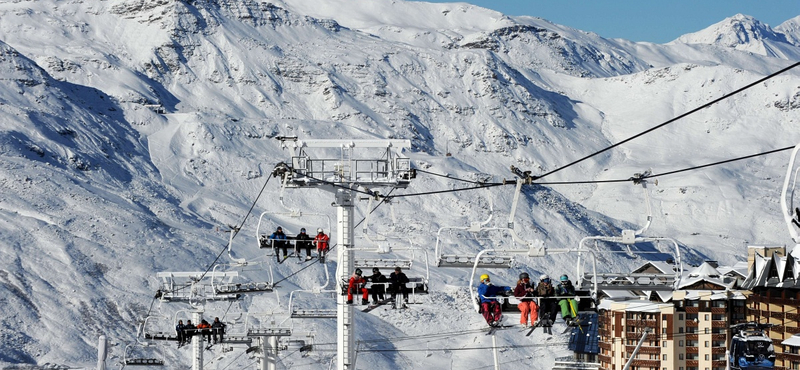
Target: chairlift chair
(138, 354)
(262, 233)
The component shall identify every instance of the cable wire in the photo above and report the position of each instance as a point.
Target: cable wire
(706, 105)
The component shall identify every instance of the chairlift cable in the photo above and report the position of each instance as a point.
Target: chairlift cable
(449, 177)
(706, 105)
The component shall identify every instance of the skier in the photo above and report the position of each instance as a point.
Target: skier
(180, 329)
(303, 242)
(278, 239)
(569, 307)
(548, 307)
(378, 288)
(205, 330)
(490, 307)
(398, 285)
(217, 330)
(527, 305)
(322, 242)
(355, 284)
(189, 330)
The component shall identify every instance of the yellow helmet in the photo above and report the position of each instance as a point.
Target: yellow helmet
(484, 277)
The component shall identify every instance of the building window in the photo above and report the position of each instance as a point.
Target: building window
(707, 358)
(680, 330)
(706, 347)
(680, 316)
(795, 365)
(664, 344)
(707, 331)
(664, 357)
(705, 317)
(680, 356)
(680, 343)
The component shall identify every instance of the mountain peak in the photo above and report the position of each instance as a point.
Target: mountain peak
(741, 32)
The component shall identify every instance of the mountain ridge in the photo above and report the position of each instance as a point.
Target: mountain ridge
(134, 131)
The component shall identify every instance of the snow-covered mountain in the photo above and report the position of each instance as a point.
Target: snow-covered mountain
(101, 191)
(742, 32)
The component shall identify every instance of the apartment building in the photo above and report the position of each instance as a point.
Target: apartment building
(686, 328)
(773, 281)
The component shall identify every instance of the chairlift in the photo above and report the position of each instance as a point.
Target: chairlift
(267, 224)
(309, 312)
(193, 287)
(751, 348)
(416, 284)
(139, 354)
(586, 298)
(233, 284)
(628, 238)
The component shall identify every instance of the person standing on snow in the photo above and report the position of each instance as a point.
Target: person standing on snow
(524, 291)
(490, 307)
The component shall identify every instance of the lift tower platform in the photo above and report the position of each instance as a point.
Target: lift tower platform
(355, 166)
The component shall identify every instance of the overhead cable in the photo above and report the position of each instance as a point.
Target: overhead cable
(706, 105)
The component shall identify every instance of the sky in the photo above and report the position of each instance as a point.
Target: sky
(643, 20)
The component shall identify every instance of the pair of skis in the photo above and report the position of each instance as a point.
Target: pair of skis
(381, 303)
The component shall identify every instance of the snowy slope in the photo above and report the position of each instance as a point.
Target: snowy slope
(100, 192)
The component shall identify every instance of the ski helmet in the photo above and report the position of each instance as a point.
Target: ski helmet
(564, 278)
(375, 270)
(358, 272)
(523, 276)
(484, 277)
(319, 230)
(302, 230)
(544, 277)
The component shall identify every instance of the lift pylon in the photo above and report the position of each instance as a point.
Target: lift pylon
(343, 175)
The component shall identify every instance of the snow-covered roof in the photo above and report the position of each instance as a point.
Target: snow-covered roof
(794, 341)
(774, 272)
(705, 270)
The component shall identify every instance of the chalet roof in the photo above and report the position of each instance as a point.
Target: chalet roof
(774, 272)
(705, 270)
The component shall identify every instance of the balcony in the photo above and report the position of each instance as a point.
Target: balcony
(604, 359)
(790, 357)
(793, 316)
(792, 330)
(719, 363)
(692, 309)
(605, 345)
(691, 349)
(642, 323)
(777, 315)
(778, 328)
(644, 350)
(719, 337)
(647, 363)
(719, 310)
(691, 363)
(718, 350)
(719, 324)
(691, 323)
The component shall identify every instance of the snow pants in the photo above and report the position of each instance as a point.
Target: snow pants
(364, 293)
(528, 308)
(569, 308)
(491, 311)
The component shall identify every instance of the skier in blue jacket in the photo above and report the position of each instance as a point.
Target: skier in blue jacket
(490, 307)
